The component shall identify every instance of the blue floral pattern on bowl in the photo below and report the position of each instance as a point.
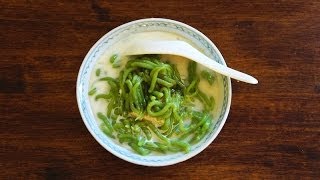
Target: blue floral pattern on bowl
(152, 24)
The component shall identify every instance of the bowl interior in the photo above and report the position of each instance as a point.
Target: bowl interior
(145, 25)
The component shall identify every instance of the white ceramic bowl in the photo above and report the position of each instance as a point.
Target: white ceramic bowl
(143, 25)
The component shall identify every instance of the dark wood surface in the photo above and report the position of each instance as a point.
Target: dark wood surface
(273, 128)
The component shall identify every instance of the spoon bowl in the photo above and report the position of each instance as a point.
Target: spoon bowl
(181, 48)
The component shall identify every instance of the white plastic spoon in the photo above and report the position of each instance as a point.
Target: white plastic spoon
(184, 49)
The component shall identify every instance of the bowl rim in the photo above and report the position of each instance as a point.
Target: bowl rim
(178, 160)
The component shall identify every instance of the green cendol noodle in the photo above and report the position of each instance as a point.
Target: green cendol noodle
(151, 108)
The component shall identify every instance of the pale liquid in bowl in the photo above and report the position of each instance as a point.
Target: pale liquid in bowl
(215, 90)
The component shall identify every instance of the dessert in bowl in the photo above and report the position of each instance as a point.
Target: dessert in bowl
(152, 110)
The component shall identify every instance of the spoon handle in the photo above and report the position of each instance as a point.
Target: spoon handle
(184, 49)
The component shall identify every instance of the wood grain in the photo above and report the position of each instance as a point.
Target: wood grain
(273, 129)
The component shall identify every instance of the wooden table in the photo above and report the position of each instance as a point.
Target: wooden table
(273, 129)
